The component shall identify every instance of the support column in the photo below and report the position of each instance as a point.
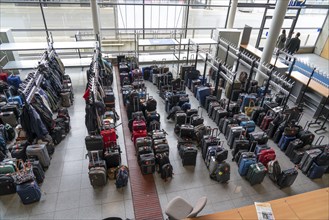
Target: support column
(95, 17)
(231, 17)
(274, 31)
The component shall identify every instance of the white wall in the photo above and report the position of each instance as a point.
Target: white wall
(322, 38)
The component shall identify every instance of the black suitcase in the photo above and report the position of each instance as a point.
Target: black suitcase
(180, 118)
(188, 154)
(214, 111)
(57, 134)
(211, 107)
(293, 145)
(271, 129)
(10, 108)
(287, 177)
(227, 122)
(19, 151)
(7, 185)
(94, 142)
(297, 156)
(197, 119)
(221, 124)
(323, 158)
(220, 113)
(257, 138)
(238, 155)
(228, 129)
(260, 118)
(143, 150)
(308, 159)
(147, 163)
(112, 157)
(277, 136)
(240, 144)
(209, 99)
(161, 148)
(191, 112)
(306, 136)
(235, 133)
(209, 140)
(186, 131)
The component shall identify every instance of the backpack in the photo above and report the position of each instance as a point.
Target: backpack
(166, 171)
(122, 177)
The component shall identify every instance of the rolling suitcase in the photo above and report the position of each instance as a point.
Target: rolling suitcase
(97, 170)
(29, 192)
(240, 144)
(197, 119)
(186, 131)
(308, 159)
(260, 118)
(255, 113)
(147, 163)
(266, 156)
(271, 129)
(161, 148)
(316, 171)
(297, 156)
(274, 170)
(209, 98)
(219, 114)
(9, 118)
(37, 170)
(180, 118)
(143, 141)
(7, 185)
(112, 157)
(245, 161)
(284, 142)
(209, 140)
(293, 145)
(306, 136)
(94, 142)
(39, 151)
(257, 138)
(109, 137)
(323, 158)
(19, 151)
(223, 172)
(229, 128)
(227, 122)
(235, 133)
(249, 126)
(287, 177)
(256, 173)
(188, 154)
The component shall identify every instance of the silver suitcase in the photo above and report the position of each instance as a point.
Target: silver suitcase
(40, 152)
(9, 118)
(213, 165)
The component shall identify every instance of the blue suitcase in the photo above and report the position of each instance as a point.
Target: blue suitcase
(203, 81)
(316, 171)
(202, 93)
(244, 165)
(248, 125)
(29, 192)
(284, 142)
(16, 99)
(14, 80)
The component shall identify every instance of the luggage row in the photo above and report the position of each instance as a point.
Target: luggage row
(103, 149)
(36, 109)
(151, 145)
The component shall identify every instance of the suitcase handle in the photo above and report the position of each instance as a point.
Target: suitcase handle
(213, 132)
(201, 111)
(319, 140)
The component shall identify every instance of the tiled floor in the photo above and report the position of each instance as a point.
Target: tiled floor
(67, 193)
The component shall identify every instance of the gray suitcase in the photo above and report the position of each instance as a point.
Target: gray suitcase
(97, 171)
(40, 152)
(9, 118)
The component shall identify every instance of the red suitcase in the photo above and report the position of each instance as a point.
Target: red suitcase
(3, 76)
(137, 134)
(266, 156)
(139, 125)
(266, 122)
(109, 137)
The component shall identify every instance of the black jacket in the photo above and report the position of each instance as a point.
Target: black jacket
(293, 45)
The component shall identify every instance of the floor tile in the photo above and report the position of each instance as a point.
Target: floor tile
(17, 210)
(55, 169)
(51, 184)
(70, 182)
(113, 196)
(68, 200)
(243, 201)
(46, 204)
(222, 206)
(129, 209)
(90, 212)
(45, 216)
(67, 214)
(72, 167)
(90, 197)
(74, 154)
(113, 209)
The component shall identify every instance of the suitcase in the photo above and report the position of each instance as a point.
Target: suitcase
(272, 128)
(143, 141)
(274, 170)
(180, 118)
(227, 122)
(257, 138)
(246, 100)
(323, 158)
(316, 171)
(197, 119)
(284, 142)
(260, 118)
(209, 98)
(19, 151)
(57, 134)
(240, 144)
(293, 145)
(7, 168)
(229, 128)
(209, 140)
(266, 156)
(249, 126)
(256, 173)
(245, 163)
(147, 163)
(202, 93)
(123, 76)
(221, 124)
(161, 148)
(94, 142)
(235, 133)
(7, 185)
(277, 136)
(306, 136)
(109, 137)
(255, 113)
(188, 155)
(211, 107)
(287, 177)
(297, 156)
(223, 172)
(151, 104)
(212, 152)
(213, 163)
(308, 159)
(29, 192)
(186, 131)
(37, 170)
(39, 151)
(219, 114)
(138, 125)
(260, 147)
(97, 170)
(10, 108)
(266, 122)
(112, 157)
(137, 134)
(9, 118)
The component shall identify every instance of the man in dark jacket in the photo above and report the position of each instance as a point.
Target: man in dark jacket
(293, 45)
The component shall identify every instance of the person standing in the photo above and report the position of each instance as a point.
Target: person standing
(281, 40)
(293, 45)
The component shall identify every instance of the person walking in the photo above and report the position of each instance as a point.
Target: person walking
(281, 40)
(293, 45)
